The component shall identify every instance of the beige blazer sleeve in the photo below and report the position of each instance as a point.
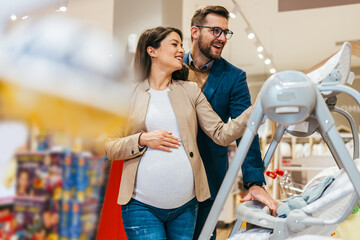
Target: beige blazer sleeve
(221, 133)
(123, 148)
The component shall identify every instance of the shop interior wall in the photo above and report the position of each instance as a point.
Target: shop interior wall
(99, 13)
(133, 17)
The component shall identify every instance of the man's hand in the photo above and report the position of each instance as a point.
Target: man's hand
(261, 195)
(159, 139)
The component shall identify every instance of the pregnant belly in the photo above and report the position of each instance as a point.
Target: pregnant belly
(165, 179)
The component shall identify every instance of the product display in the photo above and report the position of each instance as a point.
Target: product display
(58, 195)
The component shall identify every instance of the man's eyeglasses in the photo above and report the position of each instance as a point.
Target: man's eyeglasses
(217, 31)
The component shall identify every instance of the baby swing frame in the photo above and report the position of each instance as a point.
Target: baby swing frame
(323, 121)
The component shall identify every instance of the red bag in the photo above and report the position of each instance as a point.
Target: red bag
(110, 222)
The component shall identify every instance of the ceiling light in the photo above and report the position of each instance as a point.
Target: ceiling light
(250, 33)
(62, 5)
(63, 9)
(25, 17)
(13, 17)
(261, 51)
(232, 14)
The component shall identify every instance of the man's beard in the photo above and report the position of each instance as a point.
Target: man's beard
(206, 49)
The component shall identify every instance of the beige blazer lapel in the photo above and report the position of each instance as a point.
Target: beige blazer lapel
(184, 112)
(175, 97)
(140, 105)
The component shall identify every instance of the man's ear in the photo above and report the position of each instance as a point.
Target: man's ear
(195, 32)
(151, 51)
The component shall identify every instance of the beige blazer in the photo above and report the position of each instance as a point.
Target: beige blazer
(191, 110)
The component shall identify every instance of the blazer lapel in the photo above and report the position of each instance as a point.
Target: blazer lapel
(215, 76)
(140, 106)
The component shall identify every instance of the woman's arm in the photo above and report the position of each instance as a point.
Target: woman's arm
(132, 146)
(123, 148)
(221, 133)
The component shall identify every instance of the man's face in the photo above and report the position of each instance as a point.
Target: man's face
(210, 45)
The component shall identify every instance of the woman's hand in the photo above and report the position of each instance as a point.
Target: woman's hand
(159, 139)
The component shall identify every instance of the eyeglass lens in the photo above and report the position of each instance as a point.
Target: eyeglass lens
(217, 32)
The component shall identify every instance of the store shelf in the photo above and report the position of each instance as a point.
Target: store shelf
(302, 168)
(303, 157)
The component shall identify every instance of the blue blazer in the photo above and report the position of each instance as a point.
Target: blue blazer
(228, 93)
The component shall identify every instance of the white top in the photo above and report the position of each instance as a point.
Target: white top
(164, 179)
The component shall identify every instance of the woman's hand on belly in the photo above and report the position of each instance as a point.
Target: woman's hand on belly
(159, 139)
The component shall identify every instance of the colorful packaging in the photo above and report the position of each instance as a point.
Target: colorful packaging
(95, 177)
(58, 195)
(40, 175)
(88, 176)
(65, 220)
(68, 178)
(30, 176)
(7, 226)
(84, 220)
(79, 163)
(36, 218)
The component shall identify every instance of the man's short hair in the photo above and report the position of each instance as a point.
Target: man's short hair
(201, 13)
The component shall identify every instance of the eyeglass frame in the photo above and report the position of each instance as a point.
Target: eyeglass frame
(222, 31)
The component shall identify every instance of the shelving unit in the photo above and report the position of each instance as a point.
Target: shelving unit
(303, 157)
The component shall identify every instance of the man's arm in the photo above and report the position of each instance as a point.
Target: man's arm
(253, 166)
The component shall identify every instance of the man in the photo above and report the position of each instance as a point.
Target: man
(225, 87)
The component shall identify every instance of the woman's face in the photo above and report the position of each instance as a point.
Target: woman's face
(170, 54)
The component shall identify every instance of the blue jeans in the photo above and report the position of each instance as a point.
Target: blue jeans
(144, 222)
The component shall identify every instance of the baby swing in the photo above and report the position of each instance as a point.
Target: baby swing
(295, 101)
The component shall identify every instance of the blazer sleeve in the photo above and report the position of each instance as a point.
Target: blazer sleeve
(253, 165)
(123, 148)
(221, 133)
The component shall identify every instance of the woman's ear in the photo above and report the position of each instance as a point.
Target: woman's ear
(151, 51)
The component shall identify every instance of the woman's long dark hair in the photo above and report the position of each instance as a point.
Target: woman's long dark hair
(142, 62)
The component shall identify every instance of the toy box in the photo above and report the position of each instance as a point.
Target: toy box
(83, 218)
(36, 218)
(7, 226)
